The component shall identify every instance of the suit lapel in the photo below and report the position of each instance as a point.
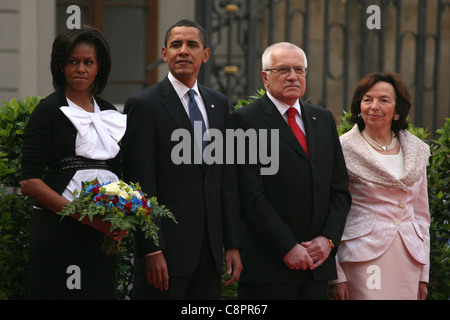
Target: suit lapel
(172, 104)
(276, 121)
(213, 119)
(174, 107)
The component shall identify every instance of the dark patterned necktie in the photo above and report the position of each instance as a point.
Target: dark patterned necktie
(196, 116)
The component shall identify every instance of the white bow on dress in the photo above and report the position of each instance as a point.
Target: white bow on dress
(98, 133)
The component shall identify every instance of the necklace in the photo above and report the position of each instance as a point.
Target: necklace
(378, 146)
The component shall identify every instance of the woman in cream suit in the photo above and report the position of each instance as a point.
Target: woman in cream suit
(384, 252)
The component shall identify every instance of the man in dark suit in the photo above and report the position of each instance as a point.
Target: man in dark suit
(187, 264)
(294, 218)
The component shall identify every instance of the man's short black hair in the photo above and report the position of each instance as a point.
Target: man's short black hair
(187, 23)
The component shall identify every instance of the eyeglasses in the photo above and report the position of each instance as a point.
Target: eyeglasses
(283, 70)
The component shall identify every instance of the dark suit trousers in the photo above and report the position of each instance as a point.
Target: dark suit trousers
(308, 289)
(204, 284)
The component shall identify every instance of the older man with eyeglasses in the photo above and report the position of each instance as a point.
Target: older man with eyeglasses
(293, 219)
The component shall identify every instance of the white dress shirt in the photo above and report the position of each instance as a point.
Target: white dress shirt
(283, 108)
(182, 92)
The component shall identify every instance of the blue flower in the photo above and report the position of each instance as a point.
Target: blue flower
(136, 202)
(122, 201)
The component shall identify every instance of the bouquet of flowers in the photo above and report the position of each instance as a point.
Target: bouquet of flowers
(123, 205)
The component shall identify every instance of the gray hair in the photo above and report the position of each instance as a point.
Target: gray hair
(267, 55)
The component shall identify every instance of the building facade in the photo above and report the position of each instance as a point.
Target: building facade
(344, 40)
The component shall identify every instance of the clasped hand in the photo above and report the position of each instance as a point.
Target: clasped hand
(308, 255)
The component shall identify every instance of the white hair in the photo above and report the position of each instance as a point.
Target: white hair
(267, 55)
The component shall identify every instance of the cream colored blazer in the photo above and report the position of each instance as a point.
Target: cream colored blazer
(383, 206)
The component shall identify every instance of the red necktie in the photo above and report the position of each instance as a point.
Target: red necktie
(296, 129)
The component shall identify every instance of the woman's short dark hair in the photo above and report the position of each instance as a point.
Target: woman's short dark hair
(188, 23)
(63, 46)
(402, 103)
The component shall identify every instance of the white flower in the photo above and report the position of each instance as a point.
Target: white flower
(112, 189)
(136, 194)
(123, 194)
(121, 189)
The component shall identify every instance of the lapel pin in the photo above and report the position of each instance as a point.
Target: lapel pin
(213, 106)
(314, 118)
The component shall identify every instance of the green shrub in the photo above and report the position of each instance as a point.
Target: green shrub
(15, 209)
(13, 120)
(439, 199)
(243, 102)
(14, 230)
(345, 125)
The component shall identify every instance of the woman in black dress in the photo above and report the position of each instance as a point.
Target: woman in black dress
(72, 136)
